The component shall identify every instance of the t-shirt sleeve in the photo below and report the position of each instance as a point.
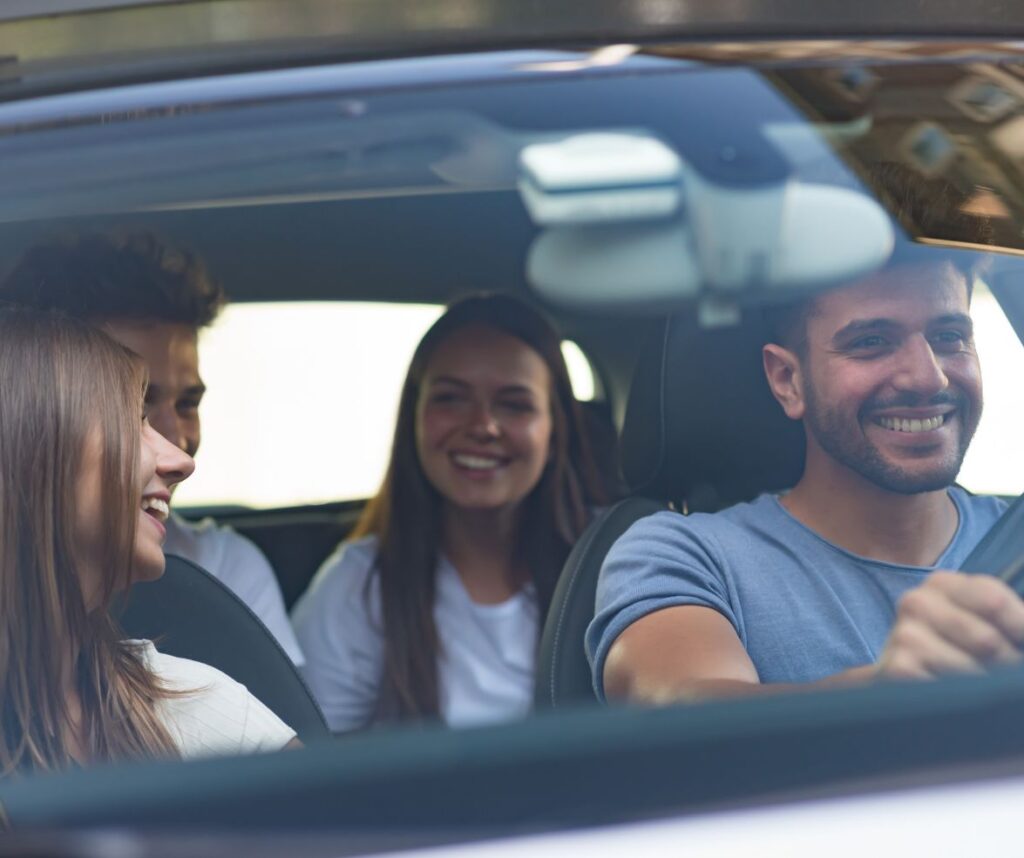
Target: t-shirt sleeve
(340, 631)
(660, 562)
(209, 714)
(262, 729)
(245, 569)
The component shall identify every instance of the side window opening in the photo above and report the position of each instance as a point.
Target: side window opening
(994, 464)
(584, 378)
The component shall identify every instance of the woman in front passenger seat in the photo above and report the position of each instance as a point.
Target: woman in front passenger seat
(433, 608)
(85, 486)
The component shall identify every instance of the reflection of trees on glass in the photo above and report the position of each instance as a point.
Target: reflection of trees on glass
(958, 131)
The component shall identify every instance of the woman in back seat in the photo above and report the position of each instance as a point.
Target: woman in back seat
(85, 487)
(433, 608)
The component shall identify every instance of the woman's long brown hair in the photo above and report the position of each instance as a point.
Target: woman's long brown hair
(64, 385)
(405, 515)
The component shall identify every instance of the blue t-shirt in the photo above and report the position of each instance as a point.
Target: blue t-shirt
(802, 607)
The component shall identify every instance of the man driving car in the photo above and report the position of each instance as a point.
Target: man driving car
(844, 578)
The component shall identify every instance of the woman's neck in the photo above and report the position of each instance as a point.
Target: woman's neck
(482, 545)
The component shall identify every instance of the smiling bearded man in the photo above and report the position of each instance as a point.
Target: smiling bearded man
(841, 579)
(909, 435)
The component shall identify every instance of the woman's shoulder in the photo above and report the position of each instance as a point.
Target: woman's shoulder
(342, 586)
(362, 551)
(207, 712)
(348, 567)
(175, 672)
(353, 554)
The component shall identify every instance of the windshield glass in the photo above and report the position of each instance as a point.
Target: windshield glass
(684, 285)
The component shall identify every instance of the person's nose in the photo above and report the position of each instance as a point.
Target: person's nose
(173, 464)
(483, 425)
(164, 418)
(920, 371)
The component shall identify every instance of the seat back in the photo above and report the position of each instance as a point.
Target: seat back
(702, 428)
(702, 431)
(603, 438)
(563, 672)
(190, 614)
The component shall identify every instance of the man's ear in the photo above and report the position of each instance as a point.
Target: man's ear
(785, 378)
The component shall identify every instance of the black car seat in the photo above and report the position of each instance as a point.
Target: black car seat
(702, 431)
(604, 448)
(191, 614)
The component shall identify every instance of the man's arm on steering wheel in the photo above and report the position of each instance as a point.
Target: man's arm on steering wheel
(951, 623)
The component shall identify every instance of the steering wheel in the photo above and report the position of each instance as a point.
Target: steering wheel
(1001, 551)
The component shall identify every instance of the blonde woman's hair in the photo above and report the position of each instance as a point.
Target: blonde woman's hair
(63, 385)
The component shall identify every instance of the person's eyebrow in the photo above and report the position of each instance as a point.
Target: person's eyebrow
(517, 389)
(448, 379)
(961, 319)
(862, 326)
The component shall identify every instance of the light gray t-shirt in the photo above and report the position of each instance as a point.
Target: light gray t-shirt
(802, 607)
(488, 652)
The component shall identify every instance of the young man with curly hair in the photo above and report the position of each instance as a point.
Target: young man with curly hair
(155, 299)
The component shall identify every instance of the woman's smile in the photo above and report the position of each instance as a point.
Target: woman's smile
(483, 421)
(157, 509)
(478, 464)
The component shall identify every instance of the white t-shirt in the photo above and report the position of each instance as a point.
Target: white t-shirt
(219, 717)
(488, 652)
(240, 566)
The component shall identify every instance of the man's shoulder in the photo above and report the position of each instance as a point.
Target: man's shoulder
(205, 532)
(980, 511)
(216, 547)
(984, 504)
(746, 519)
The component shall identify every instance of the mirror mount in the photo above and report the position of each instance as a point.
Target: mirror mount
(648, 231)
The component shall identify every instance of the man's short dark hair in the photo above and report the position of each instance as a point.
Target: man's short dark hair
(786, 324)
(933, 208)
(133, 277)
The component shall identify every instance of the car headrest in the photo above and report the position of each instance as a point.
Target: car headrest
(702, 427)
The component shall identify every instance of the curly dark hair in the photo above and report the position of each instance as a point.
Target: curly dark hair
(133, 276)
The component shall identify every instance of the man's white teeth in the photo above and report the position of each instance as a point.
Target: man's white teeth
(160, 509)
(899, 424)
(478, 463)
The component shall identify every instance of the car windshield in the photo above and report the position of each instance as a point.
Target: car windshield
(345, 178)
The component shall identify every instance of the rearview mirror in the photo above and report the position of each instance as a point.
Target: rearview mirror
(650, 230)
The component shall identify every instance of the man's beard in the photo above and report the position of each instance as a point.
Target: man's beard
(845, 441)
